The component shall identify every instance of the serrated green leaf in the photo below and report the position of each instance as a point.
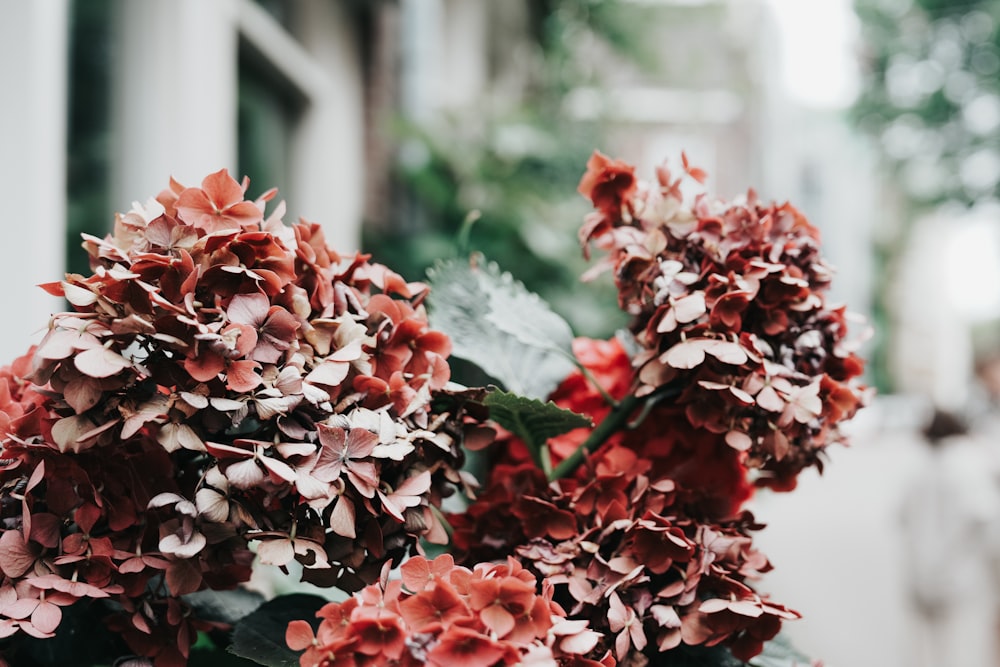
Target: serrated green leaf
(497, 324)
(261, 635)
(530, 419)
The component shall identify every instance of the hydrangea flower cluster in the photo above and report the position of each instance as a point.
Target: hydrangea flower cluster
(734, 373)
(441, 614)
(224, 379)
(229, 390)
(729, 309)
(647, 541)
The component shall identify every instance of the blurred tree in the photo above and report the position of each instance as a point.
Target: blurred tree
(932, 95)
(931, 102)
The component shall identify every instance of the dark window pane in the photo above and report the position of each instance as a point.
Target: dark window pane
(88, 132)
(265, 125)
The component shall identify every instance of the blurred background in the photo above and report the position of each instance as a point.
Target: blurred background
(419, 129)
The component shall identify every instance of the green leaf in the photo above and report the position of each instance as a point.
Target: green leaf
(530, 419)
(779, 652)
(216, 657)
(701, 656)
(497, 324)
(261, 635)
(224, 606)
(82, 639)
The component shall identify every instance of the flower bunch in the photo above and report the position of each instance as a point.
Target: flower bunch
(229, 390)
(442, 614)
(734, 372)
(646, 541)
(712, 474)
(224, 379)
(729, 309)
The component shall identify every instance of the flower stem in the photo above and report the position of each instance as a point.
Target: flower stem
(545, 457)
(597, 385)
(615, 420)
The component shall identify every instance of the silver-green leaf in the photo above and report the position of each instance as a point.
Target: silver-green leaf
(497, 324)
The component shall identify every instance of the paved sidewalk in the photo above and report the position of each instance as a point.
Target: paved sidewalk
(836, 545)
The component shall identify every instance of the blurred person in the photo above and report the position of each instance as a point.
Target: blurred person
(986, 396)
(951, 520)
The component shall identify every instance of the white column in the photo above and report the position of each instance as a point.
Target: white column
(464, 69)
(423, 33)
(33, 53)
(175, 94)
(328, 152)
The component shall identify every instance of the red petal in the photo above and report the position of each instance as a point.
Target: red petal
(299, 635)
(183, 577)
(497, 619)
(205, 367)
(222, 189)
(86, 516)
(241, 376)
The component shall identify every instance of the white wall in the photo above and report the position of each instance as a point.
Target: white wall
(174, 95)
(33, 51)
(176, 102)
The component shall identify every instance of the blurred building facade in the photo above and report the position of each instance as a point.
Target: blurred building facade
(301, 94)
(188, 82)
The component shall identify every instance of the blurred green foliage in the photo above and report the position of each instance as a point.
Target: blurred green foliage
(931, 101)
(931, 96)
(503, 182)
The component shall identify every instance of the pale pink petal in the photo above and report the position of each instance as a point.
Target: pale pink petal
(739, 441)
(212, 505)
(275, 552)
(46, 617)
(174, 545)
(580, 643)
(100, 362)
(342, 520)
(21, 609)
(329, 373)
(279, 470)
(245, 474)
(15, 556)
(768, 399)
(82, 393)
(248, 309)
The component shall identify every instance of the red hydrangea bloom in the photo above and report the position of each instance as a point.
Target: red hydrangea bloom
(743, 366)
(223, 379)
(609, 184)
(730, 309)
(713, 474)
(631, 551)
(447, 615)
